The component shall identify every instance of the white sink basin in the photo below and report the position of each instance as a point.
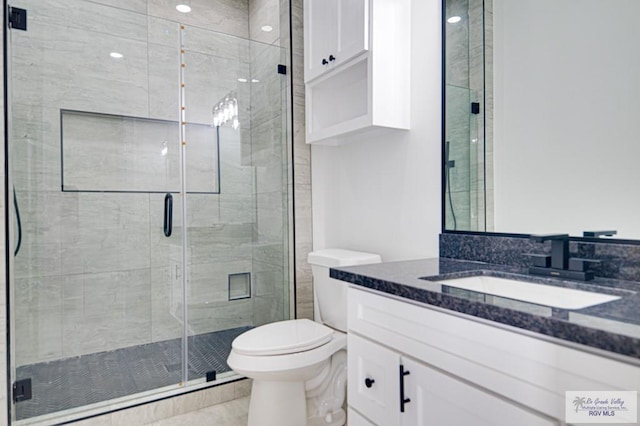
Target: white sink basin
(556, 297)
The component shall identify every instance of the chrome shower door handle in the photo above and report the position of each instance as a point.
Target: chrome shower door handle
(168, 214)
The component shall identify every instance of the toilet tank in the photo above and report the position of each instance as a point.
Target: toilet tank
(330, 295)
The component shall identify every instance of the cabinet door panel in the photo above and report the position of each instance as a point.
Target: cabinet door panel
(441, 400)
(321, 35)
(353, 29)
(335, 31)
(373, 380)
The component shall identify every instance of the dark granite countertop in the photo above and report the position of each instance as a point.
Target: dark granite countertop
(613, 326)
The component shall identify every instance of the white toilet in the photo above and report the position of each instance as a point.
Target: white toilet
(299, 367)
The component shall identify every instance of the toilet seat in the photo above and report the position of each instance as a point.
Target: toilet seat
(283, 337)
(286, 367)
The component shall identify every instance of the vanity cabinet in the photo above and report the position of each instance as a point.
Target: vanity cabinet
(393, 389)
(356, 419)
(357, 68)
(457, 371)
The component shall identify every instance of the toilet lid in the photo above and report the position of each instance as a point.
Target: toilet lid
(283, 337)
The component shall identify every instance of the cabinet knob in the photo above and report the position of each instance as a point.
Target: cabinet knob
(324, 61)
(332, 58)
(369, 382)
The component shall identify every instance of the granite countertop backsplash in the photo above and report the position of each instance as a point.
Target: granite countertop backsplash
(613, 326)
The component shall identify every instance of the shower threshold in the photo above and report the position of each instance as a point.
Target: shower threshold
(87, 379)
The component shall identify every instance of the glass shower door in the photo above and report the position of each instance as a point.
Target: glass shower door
(94, 149)
(237, 240)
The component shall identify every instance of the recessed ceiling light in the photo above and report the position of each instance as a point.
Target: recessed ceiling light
(116, 55)
(255, 80)
(266, 28)
(454, 19)
(184, 8)
(242, 80)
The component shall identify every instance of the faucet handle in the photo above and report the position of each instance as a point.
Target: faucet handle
(540, 260)
(578, 264)
(596, 234)
(540, 238)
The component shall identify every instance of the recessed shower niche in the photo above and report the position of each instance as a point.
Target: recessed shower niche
(111, 153)
(239, 286)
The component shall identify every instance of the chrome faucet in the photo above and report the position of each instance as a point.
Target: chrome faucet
(559, 264)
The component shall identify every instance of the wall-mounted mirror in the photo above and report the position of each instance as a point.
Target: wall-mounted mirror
(542, 116)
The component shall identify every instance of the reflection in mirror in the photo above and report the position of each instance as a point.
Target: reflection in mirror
(464, 149)
(553, 147)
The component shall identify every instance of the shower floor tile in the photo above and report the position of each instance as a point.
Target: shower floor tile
(87, 379)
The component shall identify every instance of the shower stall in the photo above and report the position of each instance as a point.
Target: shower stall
(148, 171)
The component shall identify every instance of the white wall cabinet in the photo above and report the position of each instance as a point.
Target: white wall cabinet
(357, 68)
(335, 31)
(462, 371)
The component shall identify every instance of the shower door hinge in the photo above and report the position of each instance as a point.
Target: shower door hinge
(17, 18)
(21, 390)
(282, 69)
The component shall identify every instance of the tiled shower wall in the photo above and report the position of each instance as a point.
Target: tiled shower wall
(488, 117)
(95, 271)
(300, 184)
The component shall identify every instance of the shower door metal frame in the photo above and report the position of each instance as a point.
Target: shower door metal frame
(183, 194)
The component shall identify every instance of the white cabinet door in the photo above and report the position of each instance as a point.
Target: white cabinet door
(320, 34)
(353, 29)
(373, 380)
(335, 31)
(441, 400)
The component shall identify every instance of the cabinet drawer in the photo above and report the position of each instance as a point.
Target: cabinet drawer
(373, 380)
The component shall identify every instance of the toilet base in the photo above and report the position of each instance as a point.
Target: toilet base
(289, 409)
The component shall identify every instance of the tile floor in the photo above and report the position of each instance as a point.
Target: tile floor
(78, 381)
(232, 413)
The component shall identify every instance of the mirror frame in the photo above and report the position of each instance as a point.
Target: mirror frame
(442, 160)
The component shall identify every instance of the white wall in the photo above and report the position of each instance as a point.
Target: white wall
(567, 101)
(383, 195)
